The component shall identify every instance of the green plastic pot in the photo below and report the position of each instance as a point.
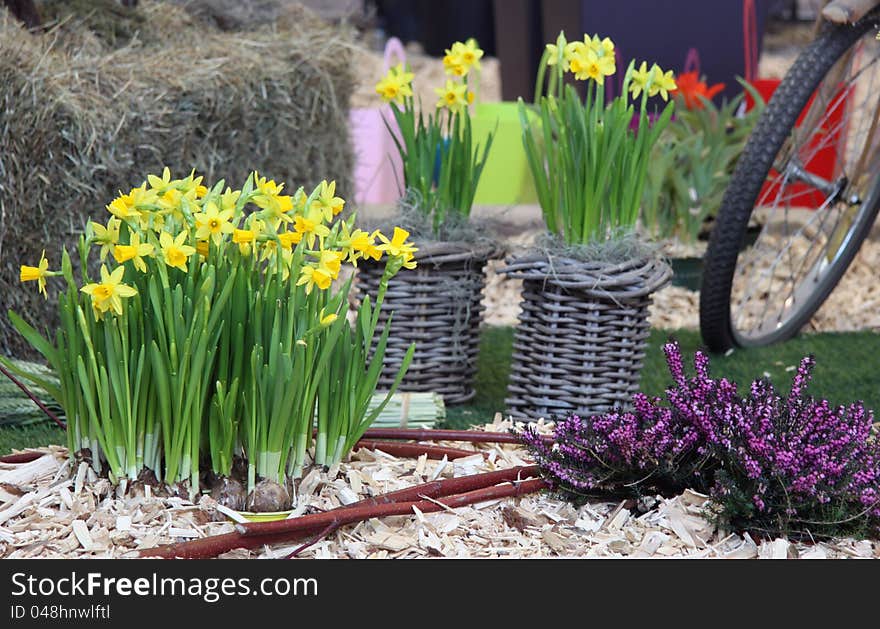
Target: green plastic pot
(506, 179)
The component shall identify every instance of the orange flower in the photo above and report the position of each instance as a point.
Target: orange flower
(690, 87)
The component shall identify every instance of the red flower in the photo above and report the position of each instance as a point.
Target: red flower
(690, 87)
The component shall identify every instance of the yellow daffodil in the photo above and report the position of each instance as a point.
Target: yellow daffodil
(328, 319)
(452, 65)
(398, 247)
(135, 251)
(360, 244)
(267, 196)
(192, 186)
(589, 65)
(160, 184)
(175, 251)
(289, 239)
(213, 223)
(461, 57)
(661, 82)
(327, 202)
(243, 238)
(468, 52)
(601, 47)
(37, 273)
(127, 207)
(640, 80)
(229, 199)
(453, 96)
(311, 225)
(396, 85)
(109, 293)
(330, 262)
(203, 248)
(107, 236)
(312, 276)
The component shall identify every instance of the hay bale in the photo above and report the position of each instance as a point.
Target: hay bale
(80, 120)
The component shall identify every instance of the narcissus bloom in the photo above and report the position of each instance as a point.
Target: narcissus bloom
(589, 65)
(327, 201)
(453, 96)
(37, 273)
(396, 85)
(175, 251)
(109, 293)
(311, 225)
(135, 250)
(312, 276)
(661, 82)
(107, 237)
(461, 57)
(397, 247)
(213, 223)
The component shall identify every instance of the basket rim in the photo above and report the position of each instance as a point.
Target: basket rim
(634, 278)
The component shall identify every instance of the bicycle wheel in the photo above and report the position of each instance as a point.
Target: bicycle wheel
(809, 176)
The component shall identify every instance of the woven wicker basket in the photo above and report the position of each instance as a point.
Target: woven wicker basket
(581, 336)
(438, 306)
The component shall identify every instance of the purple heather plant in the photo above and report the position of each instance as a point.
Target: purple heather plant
(767, 461)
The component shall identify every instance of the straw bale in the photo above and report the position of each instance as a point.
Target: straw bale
(81, 118)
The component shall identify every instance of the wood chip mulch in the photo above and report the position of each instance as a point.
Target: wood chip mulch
(49, 508)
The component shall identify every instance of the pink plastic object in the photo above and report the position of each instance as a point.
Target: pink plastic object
(378, 170)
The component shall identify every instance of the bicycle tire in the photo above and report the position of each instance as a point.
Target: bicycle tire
(774, 126)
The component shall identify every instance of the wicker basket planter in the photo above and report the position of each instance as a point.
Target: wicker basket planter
(438, 306)
(580, 340)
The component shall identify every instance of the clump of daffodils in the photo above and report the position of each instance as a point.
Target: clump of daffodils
(445, 132)
(172, 222)
(589, 155)
(217, 330)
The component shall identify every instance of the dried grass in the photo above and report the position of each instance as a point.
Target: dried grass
(81, 119)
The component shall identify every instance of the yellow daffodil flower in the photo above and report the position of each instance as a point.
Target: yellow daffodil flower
(328, 319)
(229, 199)
(640, 80)
(203, 248)
(601, 47)
(160, 185)
(267, 196)
(311, 225)
(398, 247)
(362, 245)
(125, 206)
(213, 223)
(589, 65)
(107, 236)
(327, 201)
(175, 251)
(37, 273)
(453, 66)
(661, 82)
(135, 251)
(243, 238)
(396, 85)
(289, 239)
(454, 96)
(312, 276)
(461, 57)
(109, 293)
(330, 262)
(468, 52)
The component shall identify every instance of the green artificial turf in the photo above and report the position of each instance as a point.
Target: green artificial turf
(846, 371)
(846, 368)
